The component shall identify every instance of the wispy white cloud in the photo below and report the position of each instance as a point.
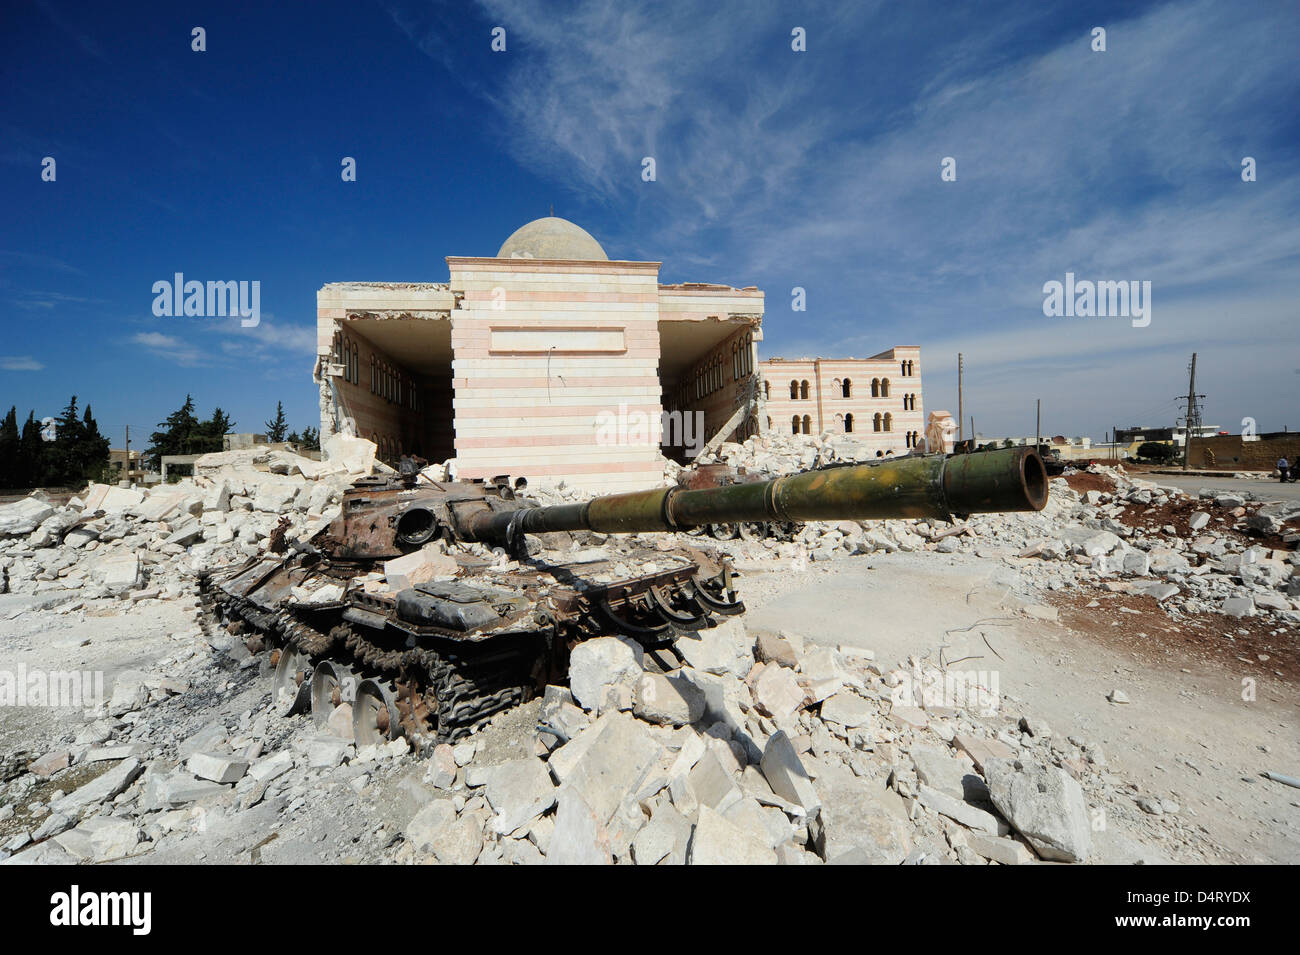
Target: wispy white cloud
(19, 363)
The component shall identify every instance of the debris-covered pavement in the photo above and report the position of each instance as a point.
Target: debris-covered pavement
(764, 746)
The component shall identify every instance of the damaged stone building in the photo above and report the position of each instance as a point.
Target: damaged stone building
(877, 400)
(512, 365)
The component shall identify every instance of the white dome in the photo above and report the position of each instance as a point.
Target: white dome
(552, 238)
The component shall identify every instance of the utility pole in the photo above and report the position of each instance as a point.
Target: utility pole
(1038, 424)
(960, 435)
(972, 430)
(1192, 419)
(128, 454)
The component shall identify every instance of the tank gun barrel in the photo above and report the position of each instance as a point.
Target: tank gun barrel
(930, 487)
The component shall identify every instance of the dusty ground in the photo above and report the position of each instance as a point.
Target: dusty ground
(1188, 734)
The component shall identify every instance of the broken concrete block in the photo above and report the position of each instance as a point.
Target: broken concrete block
(326, 752)
(969, 816)
(718, 841)
(102, 787)
(598, 664)
(1044, 804)
(713, 785)
(519, 791)
(580, 837)
(618, 760)
(860, 820)
(418, 567)
(673, 701)
(777, 693)
(51, 763)
(217, 768)
(441, 771)
(981, 750)
(1238, 607)
(786, 775)
(436, 829)
(129, 693)
(721, 650)
(772, 648)
(1004, 851)
(23, 517)
(664, 840)
(848, 709)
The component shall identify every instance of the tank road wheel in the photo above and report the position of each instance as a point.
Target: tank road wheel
(752, 531)
(375, 719)
(722, 532)
(332, 685)
(291, 684)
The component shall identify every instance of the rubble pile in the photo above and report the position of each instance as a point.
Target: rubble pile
(757, 750)
(149, 544)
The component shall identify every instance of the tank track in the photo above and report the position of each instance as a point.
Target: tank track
(447, 691)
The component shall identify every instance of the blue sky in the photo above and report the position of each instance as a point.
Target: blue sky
(818, 169)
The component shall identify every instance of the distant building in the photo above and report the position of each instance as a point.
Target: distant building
(125, 465)
(877, 400)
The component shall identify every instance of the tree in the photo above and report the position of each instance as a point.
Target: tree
(177, 434)
(31, 458)
(10, 438)
(208, 435)
(277, 429)
(94, 448)
(62, 457)
(310, 439)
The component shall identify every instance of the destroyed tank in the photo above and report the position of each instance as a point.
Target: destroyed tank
(485, 616)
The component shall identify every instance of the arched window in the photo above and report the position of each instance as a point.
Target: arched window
(848, 388)
(884, 388)
(908, 440)
(875, 387)
(803, 389)
(839, 422)
(848, 424)
(767, 390)
(807, 424)
(794, 390)
(794, 424)
(889, 421)
(902, 368)
(875, 422)
(769, 422)
(911, 367)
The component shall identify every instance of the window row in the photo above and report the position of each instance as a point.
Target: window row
(909, 368)
(742, 357)
(393, 385)
(347, 354)
(913, 439)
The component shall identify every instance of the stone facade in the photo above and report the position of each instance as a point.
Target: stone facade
(878, 400)
(520, 364)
